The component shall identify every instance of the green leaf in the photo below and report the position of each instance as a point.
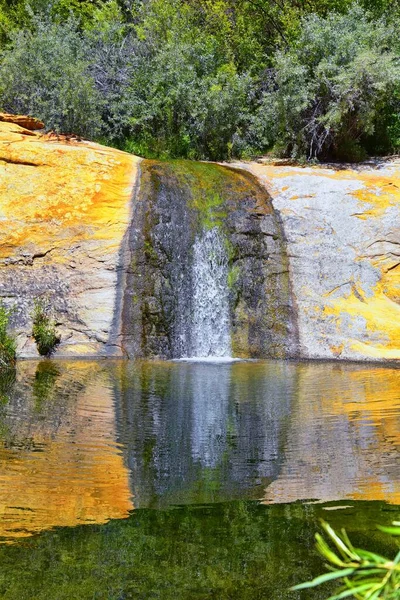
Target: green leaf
(326, 552)
(341, 546)
(352, 592)
(323, 578)
(391, 530)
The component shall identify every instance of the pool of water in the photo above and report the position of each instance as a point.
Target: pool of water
(190, 480)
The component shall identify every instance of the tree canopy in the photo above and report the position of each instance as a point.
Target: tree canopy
(208, 79)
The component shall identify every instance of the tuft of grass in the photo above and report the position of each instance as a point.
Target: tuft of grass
(364, 575)
(44, 330)
(8, 346)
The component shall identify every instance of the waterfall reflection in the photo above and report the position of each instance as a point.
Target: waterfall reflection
(196, 432)
(78, 438)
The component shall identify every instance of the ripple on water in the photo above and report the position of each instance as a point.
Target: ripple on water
(86, 442)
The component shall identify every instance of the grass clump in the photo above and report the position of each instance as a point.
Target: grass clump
(8, 346)
(44, 329)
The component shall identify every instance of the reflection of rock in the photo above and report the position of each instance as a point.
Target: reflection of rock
(344, 437)
(64, 210)
(202, 432)
(60, 464)
(343, 235)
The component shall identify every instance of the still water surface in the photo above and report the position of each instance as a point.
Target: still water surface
(189, 480)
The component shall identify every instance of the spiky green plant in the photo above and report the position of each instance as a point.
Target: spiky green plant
(364, 575)
(8, 345)
(44, 329)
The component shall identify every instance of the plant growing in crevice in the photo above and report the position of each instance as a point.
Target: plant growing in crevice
(44, 329)
(8, 346)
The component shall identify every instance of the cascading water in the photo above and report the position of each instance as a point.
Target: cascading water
(210, 327)
(183, 297)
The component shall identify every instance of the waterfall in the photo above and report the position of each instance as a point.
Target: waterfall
(181, 300)
(210, 327)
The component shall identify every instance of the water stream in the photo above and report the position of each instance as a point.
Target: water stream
(211, 329)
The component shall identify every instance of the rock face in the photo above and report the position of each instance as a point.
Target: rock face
(342, 228)
(64, 211)
(180, 206)
(313, 253)
(29, 123)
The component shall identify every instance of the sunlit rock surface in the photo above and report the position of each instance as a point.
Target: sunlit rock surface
(342, 227)
(69, 213)
(64, 210)
(29, 123)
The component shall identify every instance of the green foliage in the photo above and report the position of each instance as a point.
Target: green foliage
(43, 330)
(365, 575)
(190, 97)
(210, 79)
(8, 345)
(329, 88)
(45, 73)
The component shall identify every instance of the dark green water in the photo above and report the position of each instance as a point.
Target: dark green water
(144, 480)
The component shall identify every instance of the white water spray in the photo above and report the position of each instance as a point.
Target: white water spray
(210, 317)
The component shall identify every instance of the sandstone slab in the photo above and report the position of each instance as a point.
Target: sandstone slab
(65, 207)
(342, 228)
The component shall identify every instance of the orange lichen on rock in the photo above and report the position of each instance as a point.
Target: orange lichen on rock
(52, 191)
(22, 120)
(65, 207)
(343, 233)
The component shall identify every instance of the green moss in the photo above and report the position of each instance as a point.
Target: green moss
(233, 276)
(150, 254)
(208, 187)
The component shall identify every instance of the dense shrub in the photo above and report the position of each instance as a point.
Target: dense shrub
(209, 79)
(45, 73)
(328, 91)
(43, 330)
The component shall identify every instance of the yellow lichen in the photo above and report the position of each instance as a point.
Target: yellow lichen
(53, 190)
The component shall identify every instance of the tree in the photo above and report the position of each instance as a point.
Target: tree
(45, 72)
(328, 91)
